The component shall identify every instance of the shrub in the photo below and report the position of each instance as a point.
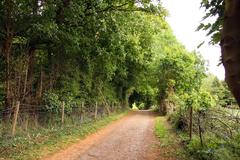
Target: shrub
(154, 108)
(224, 154)
(141, 106)
(198, 151)
(52, 102)
(134, 107)
(214, 149)
(179, 121)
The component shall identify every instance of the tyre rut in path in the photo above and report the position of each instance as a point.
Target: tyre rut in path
(130, 138)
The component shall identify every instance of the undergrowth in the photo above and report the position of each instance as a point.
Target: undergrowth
(216, 144)
(214, 148)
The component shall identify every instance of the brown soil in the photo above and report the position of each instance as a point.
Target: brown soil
(130, 138)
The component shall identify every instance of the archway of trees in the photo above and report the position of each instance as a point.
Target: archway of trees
(88, 49)
(93, 57)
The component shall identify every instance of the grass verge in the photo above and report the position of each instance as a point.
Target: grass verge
(41, 142)
(169, 143)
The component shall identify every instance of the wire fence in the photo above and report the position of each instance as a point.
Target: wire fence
(219, 122)
(22, 118)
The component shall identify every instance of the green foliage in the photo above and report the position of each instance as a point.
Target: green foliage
(134, 107)
(205, 101)
(219, 91)
(154, 108)
(213, 8)
(52, 102)
(176, 72)
(176, 67)
(141, 106)
(200, 101)
(179, 119)
(215, 146)
(106, 52)
(91, 51)
(214, 149)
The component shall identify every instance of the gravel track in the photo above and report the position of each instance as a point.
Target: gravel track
(130, 138)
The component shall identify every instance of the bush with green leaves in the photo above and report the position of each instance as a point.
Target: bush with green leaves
(141, 106)
(52, 102)
(134, 107)
(219, 91)
(179, 120)
(214, 148)
(207, 143)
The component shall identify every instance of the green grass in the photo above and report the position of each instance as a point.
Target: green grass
(41, 142)
(168, 140)
(160, 129)
(162, 132)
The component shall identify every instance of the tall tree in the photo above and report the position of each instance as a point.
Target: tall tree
(230, 45)
(226, 31)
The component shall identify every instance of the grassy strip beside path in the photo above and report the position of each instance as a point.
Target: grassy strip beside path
(169, 143)
(45, 141)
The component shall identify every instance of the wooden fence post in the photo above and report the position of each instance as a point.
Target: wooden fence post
(63, 112)
(96, 111)
(15, 118)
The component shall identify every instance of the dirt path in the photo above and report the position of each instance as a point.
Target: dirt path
(130, 138)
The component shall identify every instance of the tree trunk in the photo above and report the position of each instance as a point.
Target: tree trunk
(30, 75)
(6, 51)
(31, 61)
(25, 81)
(40, 86)
(163, 107)
(6, 48)
(230, 46)
(190, 122)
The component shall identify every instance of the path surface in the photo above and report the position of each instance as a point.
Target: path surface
(130, 138)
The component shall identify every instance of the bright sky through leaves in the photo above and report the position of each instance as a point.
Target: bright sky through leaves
(184, 17)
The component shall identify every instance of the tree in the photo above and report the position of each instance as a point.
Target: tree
(226, 31)
(84, 50)
(218, 90)
(176, 72)
(230, 46)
